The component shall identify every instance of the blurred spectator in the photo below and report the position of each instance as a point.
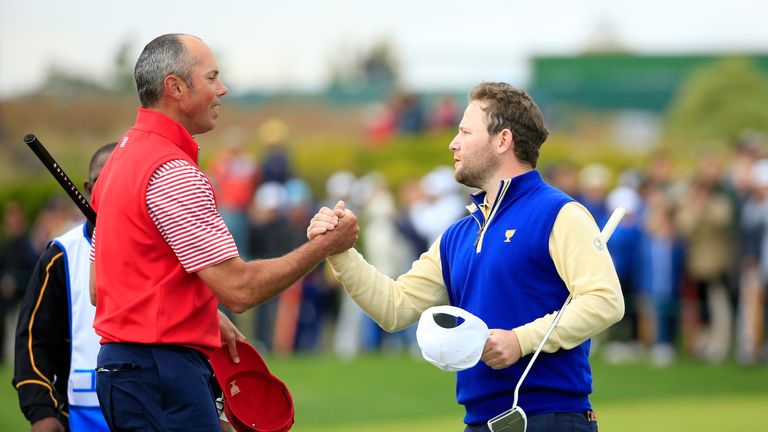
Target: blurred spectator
(660, 173)
(235, 174)
(594, 181)
(411, 118)
(565, 176)
(623, 249)
(444, 204)
(17, 260)
(704, 219)
(754, 266)
(411, 194)
(747, 151)
(299, 208)
(306, 309)
(57, 217)
(347, 338)
(660, 268)
(381, 121)
(275, 166)
(390, 252)
(318, 311)
(445, 114)
(745, 273)
(271, 235)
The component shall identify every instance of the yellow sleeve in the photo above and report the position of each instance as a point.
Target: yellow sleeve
(393, 304)
(587, 270)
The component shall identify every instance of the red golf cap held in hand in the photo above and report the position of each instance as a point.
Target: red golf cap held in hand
(254, 399)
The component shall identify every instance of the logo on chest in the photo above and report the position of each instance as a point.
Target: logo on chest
(508, 235)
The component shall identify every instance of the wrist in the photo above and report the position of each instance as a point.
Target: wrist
(523, 341)
(337, 260)
(48, 424)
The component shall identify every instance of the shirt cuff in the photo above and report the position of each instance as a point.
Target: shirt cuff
(38, 412)
(339, 260)
(524, 339)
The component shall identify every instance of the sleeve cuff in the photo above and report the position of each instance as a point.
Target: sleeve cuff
(524, 339)
(36, 413)
(337, 261)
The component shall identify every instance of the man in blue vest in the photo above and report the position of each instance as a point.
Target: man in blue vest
(523, 249)
(55, 363)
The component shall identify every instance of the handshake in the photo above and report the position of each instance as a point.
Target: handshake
(336, 227)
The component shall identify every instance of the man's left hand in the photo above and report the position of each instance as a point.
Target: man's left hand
(230, 334)
(502, 349)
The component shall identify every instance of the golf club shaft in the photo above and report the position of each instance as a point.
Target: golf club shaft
(605, 234)
(61, 177)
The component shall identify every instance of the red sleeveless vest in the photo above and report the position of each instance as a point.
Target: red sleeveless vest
(144, 295)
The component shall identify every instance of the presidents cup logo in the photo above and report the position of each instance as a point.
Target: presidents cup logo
(233, 388)
(508, 234)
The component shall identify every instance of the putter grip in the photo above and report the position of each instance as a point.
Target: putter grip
(61, 177)
(612, 223)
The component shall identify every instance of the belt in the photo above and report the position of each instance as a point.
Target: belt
(590, 416)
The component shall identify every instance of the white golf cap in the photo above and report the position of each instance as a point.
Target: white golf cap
(455, 348)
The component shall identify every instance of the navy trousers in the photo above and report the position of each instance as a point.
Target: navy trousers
(155, 388)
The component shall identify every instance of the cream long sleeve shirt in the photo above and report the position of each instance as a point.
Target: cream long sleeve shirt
(582, 263)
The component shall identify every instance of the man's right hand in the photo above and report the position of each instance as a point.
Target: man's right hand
(48, 424)
(326, 220)
(336, 228)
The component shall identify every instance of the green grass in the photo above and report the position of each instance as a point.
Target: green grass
(11, 418)
(371, 389)
(382, 393)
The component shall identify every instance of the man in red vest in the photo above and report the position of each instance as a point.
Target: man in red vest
(163, 258)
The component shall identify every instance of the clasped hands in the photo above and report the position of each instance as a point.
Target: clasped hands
(339, 222)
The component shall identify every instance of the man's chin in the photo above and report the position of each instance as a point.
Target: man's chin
(462, 180)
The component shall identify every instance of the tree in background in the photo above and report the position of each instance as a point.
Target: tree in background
(375, 69)
(718, 102)
(122, 75)
(64, 83)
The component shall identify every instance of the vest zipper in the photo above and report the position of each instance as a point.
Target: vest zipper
(484, 226)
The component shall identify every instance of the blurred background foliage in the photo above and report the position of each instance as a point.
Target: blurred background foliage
(707, 103)
(718, 103)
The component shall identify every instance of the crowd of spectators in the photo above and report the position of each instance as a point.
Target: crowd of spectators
(691, 252)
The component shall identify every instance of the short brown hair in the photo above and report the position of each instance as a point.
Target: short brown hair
(511, 108)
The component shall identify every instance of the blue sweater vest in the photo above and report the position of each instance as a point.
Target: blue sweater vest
(507, 278)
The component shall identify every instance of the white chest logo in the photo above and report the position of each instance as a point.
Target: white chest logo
(599, 244)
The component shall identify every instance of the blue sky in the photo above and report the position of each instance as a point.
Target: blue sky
(289, 44)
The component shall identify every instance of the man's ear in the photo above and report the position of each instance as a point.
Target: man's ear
(506, 141)
(173, 86)
(88, 187)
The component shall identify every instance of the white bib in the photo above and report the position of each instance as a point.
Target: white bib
(81, 388)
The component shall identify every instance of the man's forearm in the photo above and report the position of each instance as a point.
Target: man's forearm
(393, 304)
(241, 285)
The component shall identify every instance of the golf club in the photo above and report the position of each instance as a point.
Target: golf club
(514, 419)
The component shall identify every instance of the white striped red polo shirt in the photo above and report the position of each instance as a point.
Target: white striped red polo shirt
(181, 203)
